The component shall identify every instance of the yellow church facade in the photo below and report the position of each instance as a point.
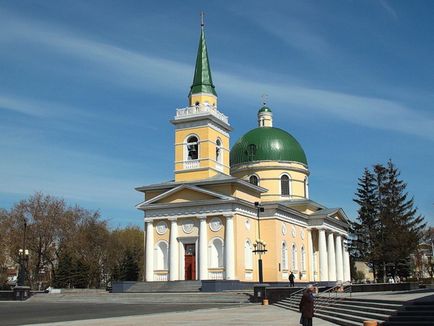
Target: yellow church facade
(225, 202)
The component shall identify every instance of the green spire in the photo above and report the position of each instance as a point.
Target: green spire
(202, 81)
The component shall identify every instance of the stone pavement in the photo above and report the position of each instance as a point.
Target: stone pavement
(253, 314)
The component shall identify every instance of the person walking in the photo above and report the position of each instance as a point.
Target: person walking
(291, 280)
(306, 306)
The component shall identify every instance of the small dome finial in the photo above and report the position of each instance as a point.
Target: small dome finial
(264, 98)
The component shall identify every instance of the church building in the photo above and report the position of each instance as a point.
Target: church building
(224, 203)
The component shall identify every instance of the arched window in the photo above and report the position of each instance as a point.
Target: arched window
(294, 257)
(161, 256)
(284, 185)
(306, 187)
(303, 259)
(254, 180)
(248, 255)
(216, 253)
(218, 151)
(284, 256)
(192, 148)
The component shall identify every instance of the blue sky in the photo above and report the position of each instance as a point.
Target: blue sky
(87, 89)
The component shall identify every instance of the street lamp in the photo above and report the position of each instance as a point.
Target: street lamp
(259, 244)
(23, 254)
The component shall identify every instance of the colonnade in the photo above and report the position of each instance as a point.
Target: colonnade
(175, 241)
(334, 259)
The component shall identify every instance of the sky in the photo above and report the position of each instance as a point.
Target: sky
(87, 89)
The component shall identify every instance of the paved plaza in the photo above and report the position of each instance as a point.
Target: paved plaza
(131, 309)
(244, 315)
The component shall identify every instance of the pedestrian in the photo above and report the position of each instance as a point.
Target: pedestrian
(306, 306)
(291, 280)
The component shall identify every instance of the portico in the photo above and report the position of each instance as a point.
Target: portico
(215, 259)
(333, 256)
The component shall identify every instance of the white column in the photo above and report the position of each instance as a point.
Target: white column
(323, 269)
(229, 248)
(311, 255)
(331, 256)
(173, 249)
(203, 248)
(149, 251)
(339, 260)
(347, 272)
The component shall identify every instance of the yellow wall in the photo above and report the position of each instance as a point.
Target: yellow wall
(207, 153)
(184, 196)
(269, 174)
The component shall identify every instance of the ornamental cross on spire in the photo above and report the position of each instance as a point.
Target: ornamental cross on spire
(264, 98)
(202, 23)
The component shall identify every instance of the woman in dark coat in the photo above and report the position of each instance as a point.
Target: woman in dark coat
(306, 307)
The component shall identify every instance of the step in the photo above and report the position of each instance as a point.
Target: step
(375, 300)
(412, 318)
(415, 312)
(340, 305)
(412, 307)
(337, 320)
(358, 319)
(373, 304)
(357, 312)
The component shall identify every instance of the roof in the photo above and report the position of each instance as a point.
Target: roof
(267, 144)
(202, 80)
(264, 109)
(218, 179)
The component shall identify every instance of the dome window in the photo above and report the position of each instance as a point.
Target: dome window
(254, 180)
(192, 148)
(251, 152)
(285, 188)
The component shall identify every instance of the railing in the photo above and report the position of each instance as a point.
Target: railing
(216, 275)
(294, 298)
(333, 295)
(198, 110)
(161, 276)
(191, 164)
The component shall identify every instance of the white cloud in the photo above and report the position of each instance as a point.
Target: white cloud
(389, 9)
(138, 70)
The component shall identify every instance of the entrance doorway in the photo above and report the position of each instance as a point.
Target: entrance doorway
(190, 261)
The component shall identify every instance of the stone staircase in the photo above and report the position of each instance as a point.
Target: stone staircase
(344, 310)
(174, 286)
(419, 312)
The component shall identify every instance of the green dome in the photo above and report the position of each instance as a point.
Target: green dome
(264, 109)
(267, 144)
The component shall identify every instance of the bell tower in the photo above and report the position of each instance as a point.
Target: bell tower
(201, 131)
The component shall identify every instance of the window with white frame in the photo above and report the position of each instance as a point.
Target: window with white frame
(161, 256)
(285, 187)
(192, 148)
(216, 253)
(306, 187)
(284, 254)
(248, 255)
(294, 257)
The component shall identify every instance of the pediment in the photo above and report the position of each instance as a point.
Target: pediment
(183, 194)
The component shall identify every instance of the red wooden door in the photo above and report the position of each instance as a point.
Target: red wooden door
(190, 262)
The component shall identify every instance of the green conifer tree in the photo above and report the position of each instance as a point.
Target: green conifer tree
(366, 227)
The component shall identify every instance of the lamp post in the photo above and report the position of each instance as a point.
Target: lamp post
(259, 244)
(23, 254)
